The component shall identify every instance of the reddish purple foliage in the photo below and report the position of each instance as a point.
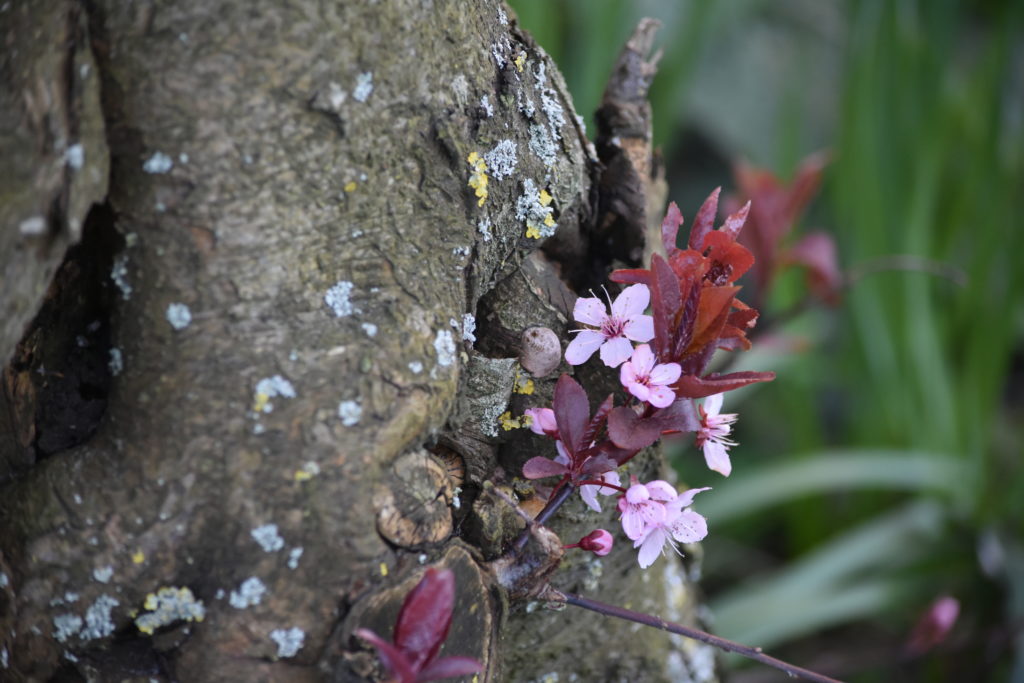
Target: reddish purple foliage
(420, 630)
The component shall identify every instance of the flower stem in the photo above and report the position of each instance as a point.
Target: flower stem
(552, 506)
(754, 653)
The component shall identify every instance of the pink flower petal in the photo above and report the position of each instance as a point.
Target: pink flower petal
(631, 302)
(651, 547)
(542, 420)
(659, 397)
(632, 522)
(641, 391)
(689, 527)
(583, 346)
(590, 311)
(643, 360)
(717, 457)
(666, 373)
(661, 490)
(713, 404)
(627, 374)
(686, 498)
(614, 352)
(640, 328)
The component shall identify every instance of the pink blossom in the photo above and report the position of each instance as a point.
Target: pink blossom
(643, 506)
(588, 492)
(680, 525)
(614, 331)
(598, 542)
(649, 381)
(542, 421)
(713, 434)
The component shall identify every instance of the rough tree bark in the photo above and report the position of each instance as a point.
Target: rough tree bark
(240, 242)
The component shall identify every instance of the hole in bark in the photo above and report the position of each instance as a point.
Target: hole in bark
(57, 382)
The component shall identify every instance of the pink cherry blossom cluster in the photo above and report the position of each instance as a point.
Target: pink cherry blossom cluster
(640, 374)
(653, 515)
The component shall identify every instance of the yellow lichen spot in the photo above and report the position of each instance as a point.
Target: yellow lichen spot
(476, 678)
(138, 557)
(302, 475)
(383, 569)
(549, 221)
(350, 186)
(150, 603)
(507, 423)
(533, 232)
(545, 198)
(520, 61)
(478, 178)
(522, 385)
(148, 630)
(260, 402)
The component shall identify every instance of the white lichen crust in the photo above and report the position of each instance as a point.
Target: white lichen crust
(289, 641)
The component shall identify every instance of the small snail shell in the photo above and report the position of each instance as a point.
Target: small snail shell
(540, 351)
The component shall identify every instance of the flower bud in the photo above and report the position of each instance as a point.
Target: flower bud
(540, 351)
(598, 542)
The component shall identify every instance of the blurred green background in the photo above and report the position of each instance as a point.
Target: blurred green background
(882, 469)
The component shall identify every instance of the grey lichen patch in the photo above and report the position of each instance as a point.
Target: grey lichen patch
(370, 329)
(488, 108)
(65, 626)
(267, 537)
(293, 557)
(364, 86)
(289, 641)
(74, 156)
(350, 413)
(268, 388)
(34, 225)
(103, 574)
(4, 580)
(483, 226)
(468, 328)
(179, 316)
(249, 593)
(415, 367)
(116, 361)
(444, 346)
(168, 605)
(119, 274)
(158, 163)
(338, 299)
(533, 207)
(98, 623)
(543, 145)
(501, 161)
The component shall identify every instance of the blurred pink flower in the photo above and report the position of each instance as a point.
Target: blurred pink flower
(713, 434)
(934, 625)
(649, 381)
(615, 330)
(542, 421)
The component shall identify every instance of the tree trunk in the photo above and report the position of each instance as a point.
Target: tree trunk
(243, 253)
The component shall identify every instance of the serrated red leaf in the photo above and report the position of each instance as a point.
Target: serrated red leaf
(712, 313)
(734, 222)
(704, 220)
(539, 468)
(425, 617)
(628, 430)
(670, 228)
(598, 420)
(691, 386)
(572, 412)
(665, 304)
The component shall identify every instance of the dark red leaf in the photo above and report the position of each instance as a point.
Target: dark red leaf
(734, 222)
(704, 221)
(425, 616)
(394, 660)
(597, 465)
(698, 387)
(665, 304)
(690, 290)
(617, 455)
(450, 667)
(681, 416)
(687, 263)
(712, 312)
(631, 276)
(817, 252)
(597, 422)
(539, 468)
(630, 431)
(670, 228)
(729, 259)
(572, 412)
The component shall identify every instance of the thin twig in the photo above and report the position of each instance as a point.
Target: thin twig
(552, 506)
(754, 653)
